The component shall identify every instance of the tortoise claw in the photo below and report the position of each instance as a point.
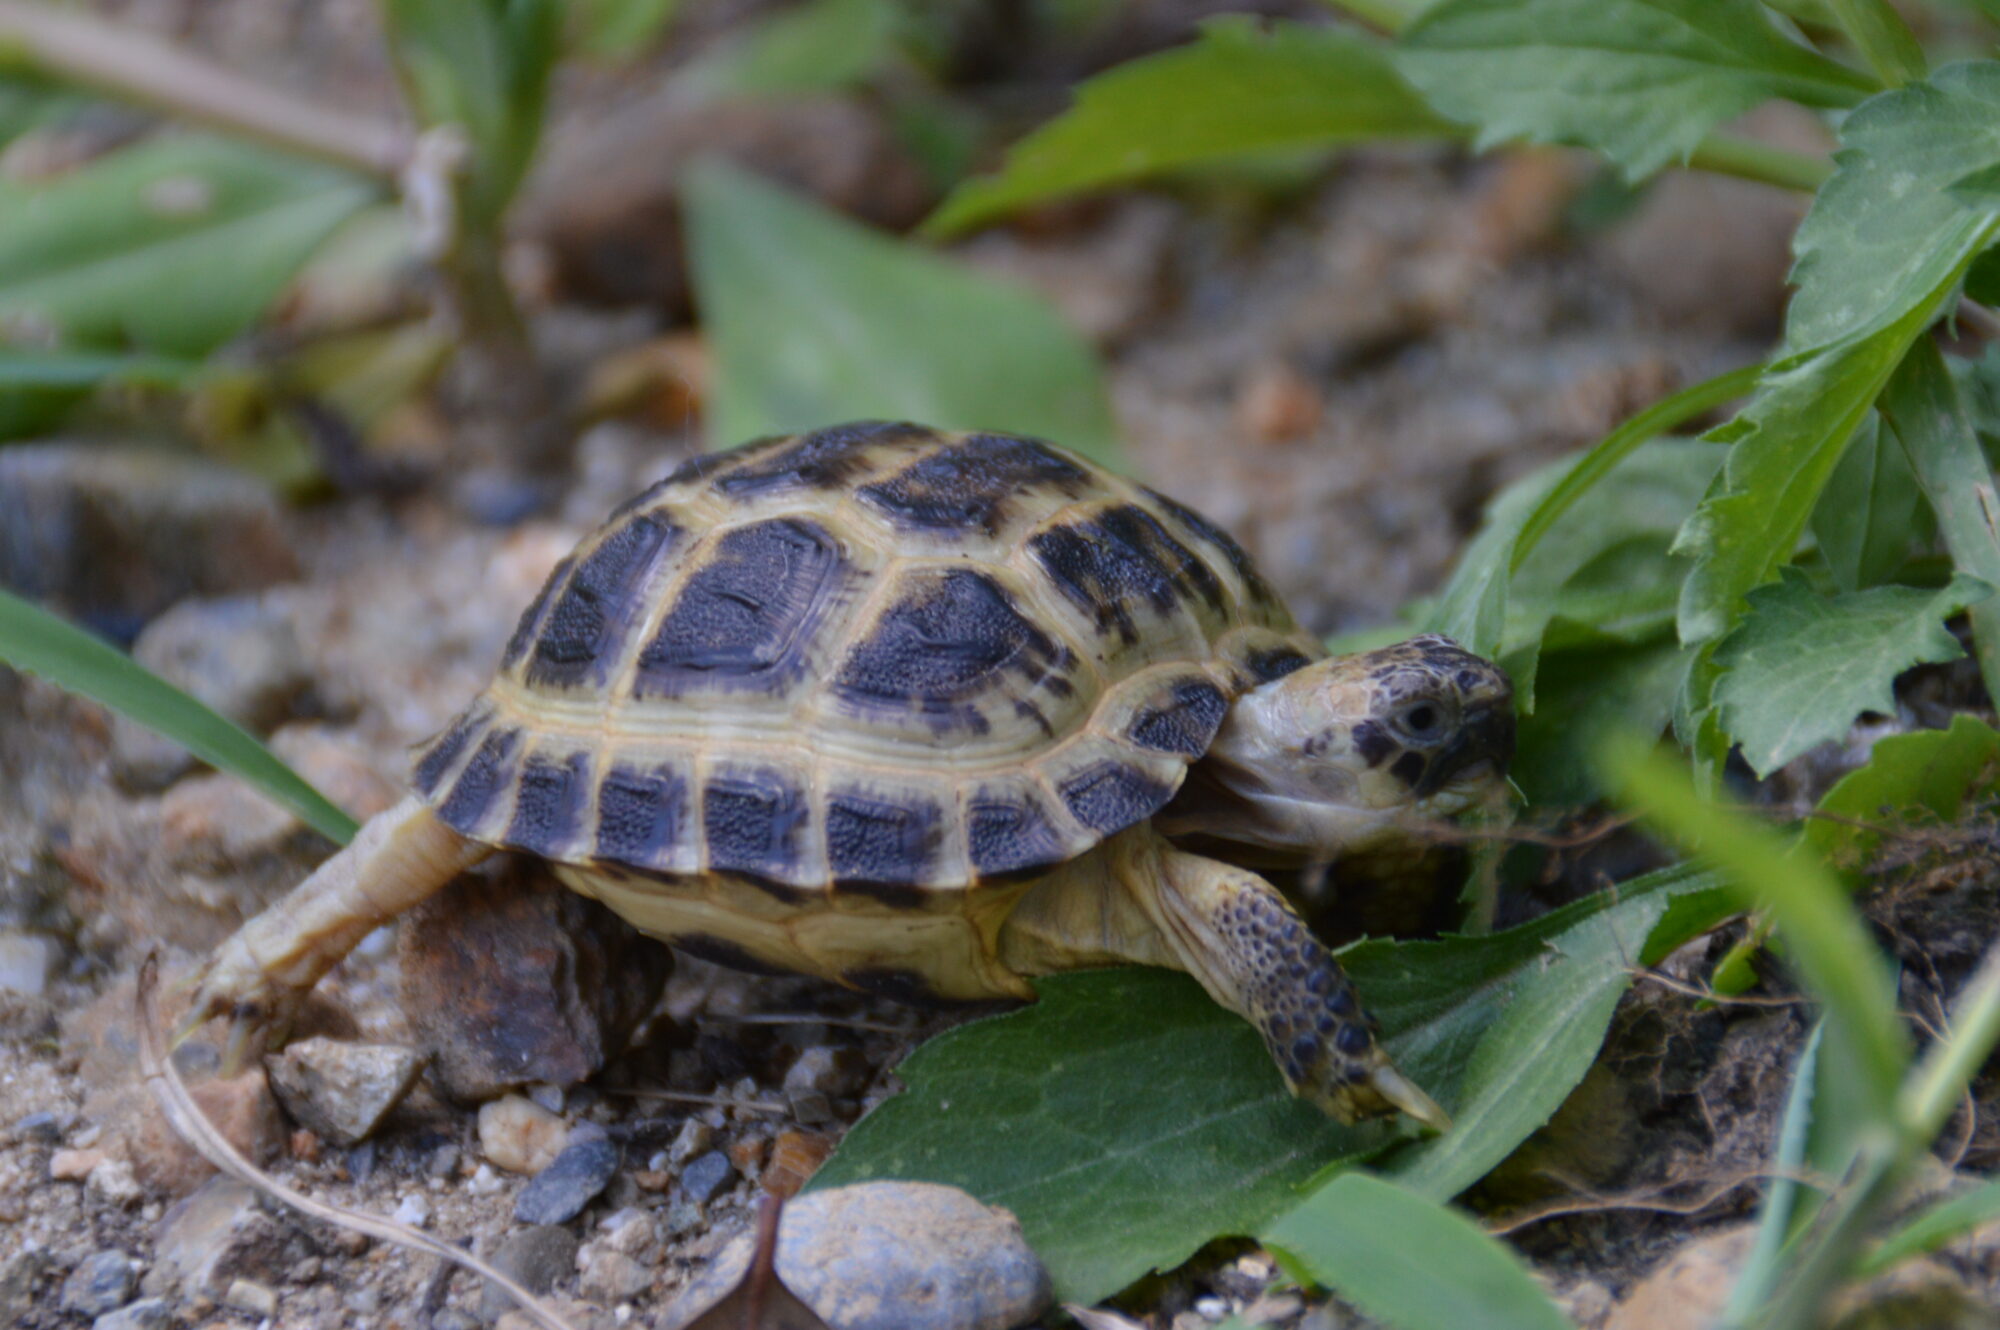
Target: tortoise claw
(259, 1010)
(1402, 1092)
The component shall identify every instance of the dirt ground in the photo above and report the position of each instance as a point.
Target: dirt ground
(1341, 373)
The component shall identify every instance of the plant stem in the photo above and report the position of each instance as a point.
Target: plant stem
(1391, 16)
(1883, 39)
(132, 67)
(1726, 154)
(1932, 1094)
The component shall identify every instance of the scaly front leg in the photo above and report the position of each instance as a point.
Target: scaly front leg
(259, 975)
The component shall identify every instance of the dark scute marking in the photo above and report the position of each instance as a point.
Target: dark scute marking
(524, 630)
(964, 487)
(1353, 1039)
(1270, 663)
(1119, 560)
(751, 821)
(1409, 769)
(823, 460)
(591, 614)
(897, 985)
(873, 843)
(706, 947)
(1372, 741)
(477, 785)
(744, 617)
(943, 642)
(640, 816)
(549, 808)
(1111, 796)
(444, 749)
(1186, 724)
(1253, 581)
(1010, 835)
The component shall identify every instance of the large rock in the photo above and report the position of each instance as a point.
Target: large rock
(221, 1234)
(341, 1091)
(890, 1256)
(509, 979)
(114, 534)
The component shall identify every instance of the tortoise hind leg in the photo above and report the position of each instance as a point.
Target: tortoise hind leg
(261, 973)
(1139, 899)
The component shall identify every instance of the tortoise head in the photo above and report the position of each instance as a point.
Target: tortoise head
(1355, 751)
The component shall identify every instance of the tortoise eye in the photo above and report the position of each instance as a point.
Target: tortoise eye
(1424, 720)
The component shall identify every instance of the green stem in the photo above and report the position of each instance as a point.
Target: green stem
(1391, 16)
(1883, 39)
(1726, 154)
(1931, 1095)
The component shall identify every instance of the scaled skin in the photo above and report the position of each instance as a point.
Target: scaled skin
(1345, 754)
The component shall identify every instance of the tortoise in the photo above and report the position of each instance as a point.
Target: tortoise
(914, 712)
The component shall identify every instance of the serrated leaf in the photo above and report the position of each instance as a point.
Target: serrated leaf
(1239, 89)
(1126, 1119)
(812, 319)
(37, 642)
(173, 246)
(1871, 512)
(1886, 233)
(1642, 81)
(1800, 666)
(1409, 1262)
(1581, 692)
(1926, 773)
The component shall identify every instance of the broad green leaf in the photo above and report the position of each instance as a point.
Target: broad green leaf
(614, 29)
(1923, 407)
(1409, 1262)
(1800, 666)
(819, 46)
(1926, 773)
(1933, 1227)
(173, 246)
(1126, 1119)
(484, 66)
(29, 101)
(38, 387)
(1871, 512)
(1886, 235)
(1239, 89)
(1825, 938)
(1581, 692)
(812, 320)
(1642, 81)
(37, 642)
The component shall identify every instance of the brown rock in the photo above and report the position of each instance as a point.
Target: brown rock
(342, 1090)
(520, 1135)
(795, 1157)
(1276, 403)
(241, 1109)
(606, 200)
(74, 1165)
(220, 1234)
(509, 979)
(610, 1276)
(1689, 1291)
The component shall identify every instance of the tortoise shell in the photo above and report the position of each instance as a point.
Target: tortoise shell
(878, 658)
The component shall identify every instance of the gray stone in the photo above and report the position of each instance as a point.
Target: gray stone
(219, 1234)
(890, 1256)
(706, 1176)
(145, 1314)
(341, 1091)
(610, 1276)
(19, 1274)
(27, 961)
(101, 1282)
(44, 1126)
(533, 1258)
(113, 534)
(559, 1192)
(240, 655)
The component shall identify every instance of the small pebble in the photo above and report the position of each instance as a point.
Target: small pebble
(484, 1181)
(414, 1211)
(693, 1138)
(546, 1096)
(245, 1296)
(145, 1314)
(73, 1165)
(703, 1178)
(559, 1192)
(101, 1282)
(114, 1181)
(534, 1258)
(610, 1276)
(342, 1090)
(520, 1135)
(1212, 1309)
(44, 1127)
(451, 1318)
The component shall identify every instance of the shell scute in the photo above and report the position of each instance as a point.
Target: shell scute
(642, 818)
(823, 460)
(591, 617)
(970, 484)
(876, 841)
(549, 804)
(753, 823)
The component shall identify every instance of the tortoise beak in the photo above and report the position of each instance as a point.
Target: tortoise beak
(1485, 738)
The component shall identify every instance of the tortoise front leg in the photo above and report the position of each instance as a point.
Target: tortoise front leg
(261, 973)
(1139, 899)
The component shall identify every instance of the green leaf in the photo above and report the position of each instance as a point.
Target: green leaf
(1926, 774)
(1239, 89)
(484, 66)
(1785, 1198)
(1126, 1119)
(35, 641)
(812, 319)
(1800, 666)
(1933, 1227)
(1871, 512)
(37, 388)
(819, 46)
(1923, 407)
(615, 29)
(173, 246)
(1886, 235)
(1642, 81)
(1409, 1262)
(1581, 693)
(1825, 938)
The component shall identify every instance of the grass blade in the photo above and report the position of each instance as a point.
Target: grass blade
(35, 641)
(1933, 1228)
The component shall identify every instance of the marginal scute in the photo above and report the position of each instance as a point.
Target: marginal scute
(746, 618)
(1184, 721)
(595, 610)
(480, 784)
(1010, 832)
(444, 751)
(753, 823)
(1113, 795)
(641, 816)
(873, 841)
(548, 810)
(966, 486)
